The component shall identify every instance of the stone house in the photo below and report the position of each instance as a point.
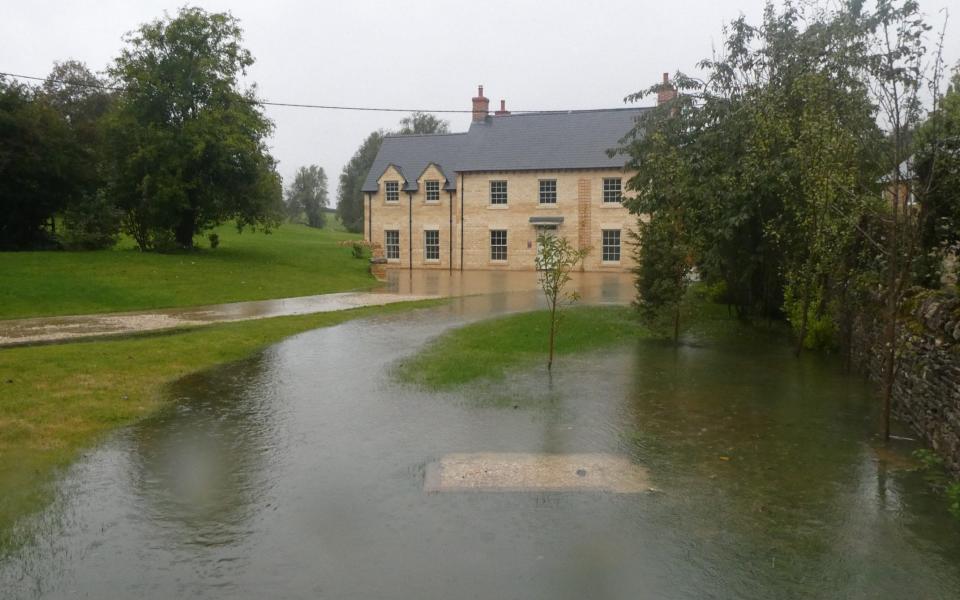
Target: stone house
(479, 199)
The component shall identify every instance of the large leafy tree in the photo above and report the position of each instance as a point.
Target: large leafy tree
(90, 219)
(40, 164)
(761, 170)
(350, 190)
(307, 195)
(423, 123)
(937, 168)
(186, 145)
(795, 148)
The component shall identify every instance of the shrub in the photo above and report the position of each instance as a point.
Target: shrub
(91, 224)
(214, 240)
(357, 250)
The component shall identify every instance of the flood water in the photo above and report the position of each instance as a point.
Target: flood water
(299, 473)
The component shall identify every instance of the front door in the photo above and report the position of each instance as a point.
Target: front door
(544, 230)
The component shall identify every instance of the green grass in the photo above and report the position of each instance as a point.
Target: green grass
(59, 399)
(294, 260)
(490, 349)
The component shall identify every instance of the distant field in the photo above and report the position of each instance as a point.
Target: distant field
(294, 260)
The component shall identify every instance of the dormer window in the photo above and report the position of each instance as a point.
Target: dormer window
(433, 190)
(392, 191)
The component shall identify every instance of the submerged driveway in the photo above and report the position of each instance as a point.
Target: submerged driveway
(401, 286)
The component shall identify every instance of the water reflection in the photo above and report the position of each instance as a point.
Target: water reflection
(199, 469)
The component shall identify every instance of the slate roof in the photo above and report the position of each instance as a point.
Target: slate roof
(575, 139)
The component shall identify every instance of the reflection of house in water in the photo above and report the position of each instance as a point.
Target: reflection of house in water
(479, 199)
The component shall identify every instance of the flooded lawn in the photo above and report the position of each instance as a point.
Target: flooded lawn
(300, 473)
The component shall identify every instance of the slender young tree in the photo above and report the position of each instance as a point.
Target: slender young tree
(899, 65)
(556, 258)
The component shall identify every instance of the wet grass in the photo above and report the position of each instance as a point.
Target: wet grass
(57, 400)
(490, 349)
(294, 260)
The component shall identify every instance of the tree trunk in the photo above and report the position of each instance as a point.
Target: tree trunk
(893, 293)
(676, 325)
(890, 335)
(185, 229)
(553, 330)
(805, 322)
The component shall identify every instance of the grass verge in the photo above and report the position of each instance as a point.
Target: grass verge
(294, 260)
(490, 349)
(59, 399)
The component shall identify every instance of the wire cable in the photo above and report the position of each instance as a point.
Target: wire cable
(282, 104)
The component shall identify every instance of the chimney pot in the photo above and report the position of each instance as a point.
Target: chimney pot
(503, 109)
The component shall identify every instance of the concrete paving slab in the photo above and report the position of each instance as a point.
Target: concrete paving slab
(525, 472)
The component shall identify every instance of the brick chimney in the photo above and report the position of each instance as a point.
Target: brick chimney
(481, 106)
(666, 92)
(503, 109)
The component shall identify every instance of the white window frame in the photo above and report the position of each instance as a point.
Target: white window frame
(427, 246)
(608, 249)
(432, 190)
(391, 191)
(498, 197)
(388, 246)
(548, 197)
(497, 248)
(612, 194)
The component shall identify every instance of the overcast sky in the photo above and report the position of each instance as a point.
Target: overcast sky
(425, 54)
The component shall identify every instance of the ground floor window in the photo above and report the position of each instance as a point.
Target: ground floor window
(498, 244)
(431, 245)
(392, 243)
(611, 245)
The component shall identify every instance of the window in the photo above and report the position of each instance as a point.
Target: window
(498, 244)
(611, 245)
(433, 191)
(392, 242)
(548, 191)
(431, 245)
(393, 191)
(611, 190)
(498, 192)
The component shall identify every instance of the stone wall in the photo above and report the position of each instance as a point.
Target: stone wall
(927, 386)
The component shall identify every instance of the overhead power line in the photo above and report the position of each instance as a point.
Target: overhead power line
(286, 104)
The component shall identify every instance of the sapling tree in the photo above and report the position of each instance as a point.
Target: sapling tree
(555, 260)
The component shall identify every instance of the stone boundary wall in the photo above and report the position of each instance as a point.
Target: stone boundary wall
(926, 390)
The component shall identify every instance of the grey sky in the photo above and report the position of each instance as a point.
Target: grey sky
(425, 54)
